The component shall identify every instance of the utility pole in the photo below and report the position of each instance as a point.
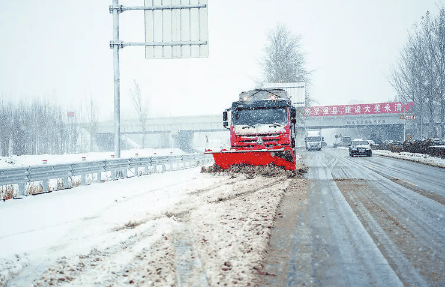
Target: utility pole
(115, 9)
(404, 123)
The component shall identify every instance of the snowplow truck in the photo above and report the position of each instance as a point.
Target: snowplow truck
(262, 130)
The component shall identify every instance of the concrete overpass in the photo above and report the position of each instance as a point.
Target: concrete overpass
(208, 123)
(206, 131)
(187, 132)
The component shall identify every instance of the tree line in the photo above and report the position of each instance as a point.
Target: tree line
(419, 75)
(40, 127)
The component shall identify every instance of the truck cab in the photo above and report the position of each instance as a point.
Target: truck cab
(262, 118)
(262, 130)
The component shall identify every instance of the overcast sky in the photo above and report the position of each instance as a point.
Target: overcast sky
(59, 51)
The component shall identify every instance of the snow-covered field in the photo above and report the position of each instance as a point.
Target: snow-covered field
(181, 227)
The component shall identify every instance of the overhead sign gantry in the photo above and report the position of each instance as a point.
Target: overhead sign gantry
(173, 29)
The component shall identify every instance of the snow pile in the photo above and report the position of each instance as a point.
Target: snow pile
(146, 257)
(415, 157)
(270, 170)
(232, 230)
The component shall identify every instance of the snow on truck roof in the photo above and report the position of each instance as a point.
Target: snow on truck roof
(263, 94)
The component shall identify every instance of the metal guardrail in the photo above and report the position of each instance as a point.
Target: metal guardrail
(24, 176)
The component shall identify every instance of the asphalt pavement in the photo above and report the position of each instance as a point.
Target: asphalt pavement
(366, 221)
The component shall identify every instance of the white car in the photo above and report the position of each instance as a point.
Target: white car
(360, 147)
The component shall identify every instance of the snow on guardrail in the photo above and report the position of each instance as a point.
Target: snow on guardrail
(21, 181)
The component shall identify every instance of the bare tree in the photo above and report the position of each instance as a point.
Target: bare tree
(425, 37)
(408, 80)
(6, 128)
(92, 117)
(284, 60)
(420, 73)
(439, 35)
(141, 107)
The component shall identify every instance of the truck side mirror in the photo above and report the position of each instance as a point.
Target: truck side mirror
(293, 113)
(225, 122)
(294, 120)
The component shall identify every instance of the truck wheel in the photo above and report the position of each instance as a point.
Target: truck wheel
(369, 153)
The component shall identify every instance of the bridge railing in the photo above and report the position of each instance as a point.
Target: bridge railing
(22, 181)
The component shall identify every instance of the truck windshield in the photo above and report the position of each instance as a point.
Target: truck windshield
(259, 116)
(313, 139)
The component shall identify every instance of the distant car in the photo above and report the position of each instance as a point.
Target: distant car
(373, 144)
(360, 147)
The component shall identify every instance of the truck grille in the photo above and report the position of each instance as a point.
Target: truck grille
(268, 141)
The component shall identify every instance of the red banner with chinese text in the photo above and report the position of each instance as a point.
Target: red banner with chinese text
(359, 109)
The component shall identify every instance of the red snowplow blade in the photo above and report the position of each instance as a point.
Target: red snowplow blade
(284, 158)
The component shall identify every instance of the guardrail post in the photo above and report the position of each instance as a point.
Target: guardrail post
(173, 163)
(45, 185)
(170, 164)
(99, 176)
(21, 191)
(65, 182)
(126, 170)
(82, 179)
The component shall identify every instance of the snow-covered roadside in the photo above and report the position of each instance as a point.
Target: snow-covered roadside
(157, 230)
(10, 191)
(39, 229)
(415, 157)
